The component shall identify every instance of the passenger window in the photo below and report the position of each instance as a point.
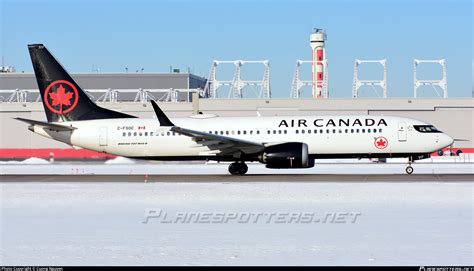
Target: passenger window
(345, 131)
(327, 131)
(238, 132)
(284, 131)
(309, 131)
(363, 130)
(258, 132)
(124, 134)
(296, 131)
(321, 131)
(380, 130)
(302, 131)
(357, 131)
(129, 133)
(146, 133)
(274, 132)
(340, 131)
(226, 132)
(151, 133)
(315, 131)
(135, 134)
(333, 131)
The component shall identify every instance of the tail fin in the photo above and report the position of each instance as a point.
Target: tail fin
(63, 99)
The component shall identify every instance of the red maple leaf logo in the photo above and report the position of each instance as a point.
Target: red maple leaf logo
(61, 97)
(381, 143)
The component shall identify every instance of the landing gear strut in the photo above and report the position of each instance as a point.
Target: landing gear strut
(409, 168)
(238, 168)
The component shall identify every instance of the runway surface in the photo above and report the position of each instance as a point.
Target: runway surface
(120, 167)
(246, 178)
(359, 220)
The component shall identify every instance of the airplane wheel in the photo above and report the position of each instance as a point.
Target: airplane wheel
(243, 168)
(233, 169)
(409, 170)
(238, 168)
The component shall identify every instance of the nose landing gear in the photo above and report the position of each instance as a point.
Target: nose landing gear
(409, 168)
(238, 168)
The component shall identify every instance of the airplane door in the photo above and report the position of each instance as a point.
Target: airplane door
(103, 136)
(402, 131)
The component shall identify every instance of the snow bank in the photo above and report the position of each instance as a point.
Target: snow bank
(29, 161)
(120, 160)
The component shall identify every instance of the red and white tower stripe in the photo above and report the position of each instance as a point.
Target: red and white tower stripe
(317, 39)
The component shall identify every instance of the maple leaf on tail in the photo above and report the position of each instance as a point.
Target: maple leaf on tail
(61, 97)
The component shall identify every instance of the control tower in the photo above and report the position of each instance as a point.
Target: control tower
(317, 39)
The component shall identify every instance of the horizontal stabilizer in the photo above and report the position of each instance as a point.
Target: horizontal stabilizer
(51, 126)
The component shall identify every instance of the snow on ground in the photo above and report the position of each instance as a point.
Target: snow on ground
(29, 161)
(427, 223)
(120, 160)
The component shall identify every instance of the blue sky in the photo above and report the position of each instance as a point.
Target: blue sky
(112, 35)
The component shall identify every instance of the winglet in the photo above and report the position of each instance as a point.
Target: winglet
(162, 118)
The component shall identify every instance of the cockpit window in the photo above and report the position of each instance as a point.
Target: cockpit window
(426, 129)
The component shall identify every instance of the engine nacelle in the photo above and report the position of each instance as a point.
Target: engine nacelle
(287, 155)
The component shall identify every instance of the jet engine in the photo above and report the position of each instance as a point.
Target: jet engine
(286, 155)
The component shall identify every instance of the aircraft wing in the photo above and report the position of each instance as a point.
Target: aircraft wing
(218, 145)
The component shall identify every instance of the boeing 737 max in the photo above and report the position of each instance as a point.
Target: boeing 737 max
(278, 142)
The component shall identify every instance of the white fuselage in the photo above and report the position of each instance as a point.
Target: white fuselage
(341, 135)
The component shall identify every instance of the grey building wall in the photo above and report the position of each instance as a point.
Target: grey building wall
(453, 116)
(111, 80)
(196, 82)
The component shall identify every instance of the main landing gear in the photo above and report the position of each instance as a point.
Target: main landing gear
(238, 168)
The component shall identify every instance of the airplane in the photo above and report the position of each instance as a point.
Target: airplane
(276, 141)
